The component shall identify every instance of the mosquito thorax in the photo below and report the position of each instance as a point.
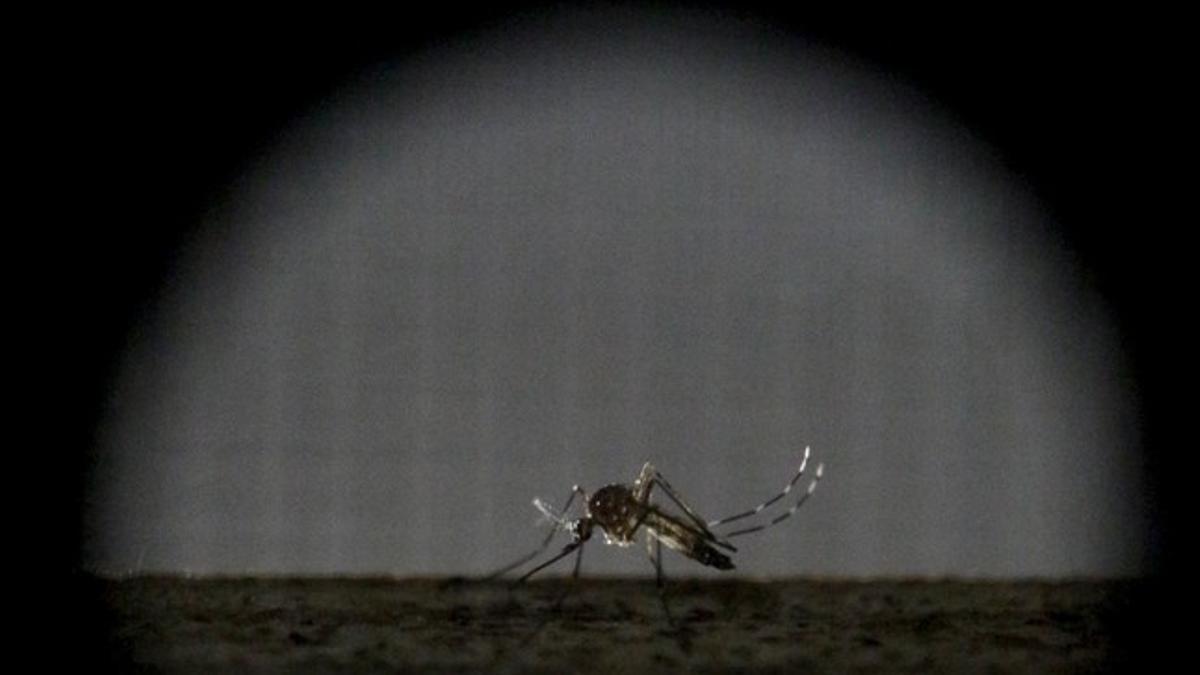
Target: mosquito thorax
(615, 510)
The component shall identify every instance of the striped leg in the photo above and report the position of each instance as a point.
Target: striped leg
(654, 550)
(786, 514)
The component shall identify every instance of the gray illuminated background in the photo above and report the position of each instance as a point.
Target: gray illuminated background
(533, 258)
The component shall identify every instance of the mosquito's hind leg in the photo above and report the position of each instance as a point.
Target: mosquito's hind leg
(651, 477)
(571, 583)
(786, 514)
(783, 493)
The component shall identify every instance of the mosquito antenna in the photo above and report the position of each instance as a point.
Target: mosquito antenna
(784, 516)
(758, 509)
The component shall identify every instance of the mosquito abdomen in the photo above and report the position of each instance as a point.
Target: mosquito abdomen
(686, 540)
(712, 557)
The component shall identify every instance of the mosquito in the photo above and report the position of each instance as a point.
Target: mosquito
(619, 511)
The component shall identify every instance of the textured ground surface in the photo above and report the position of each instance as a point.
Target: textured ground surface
(612, 625)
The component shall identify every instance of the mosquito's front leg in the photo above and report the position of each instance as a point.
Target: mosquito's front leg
(641, 486)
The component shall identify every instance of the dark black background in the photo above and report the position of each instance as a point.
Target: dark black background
(149, 117)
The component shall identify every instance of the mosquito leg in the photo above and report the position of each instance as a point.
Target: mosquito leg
(758, 509)
(523, 559)
(658, 573)
(654, 550)
(571, 584)
(786, 514)
(674, 495)
(567, 550)
(561, 596)
(683, 634)
(545, 542)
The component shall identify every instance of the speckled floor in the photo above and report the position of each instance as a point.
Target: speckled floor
(611, 625)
